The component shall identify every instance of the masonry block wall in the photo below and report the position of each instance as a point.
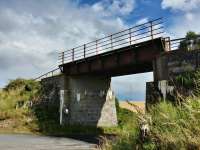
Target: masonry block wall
(89, 99)
(166, 67)
(173, 63)
(51, 87)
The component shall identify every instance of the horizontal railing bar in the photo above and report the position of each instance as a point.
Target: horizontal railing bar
(93, 52)
(70, 51)
(132, 32)
(114, 41)
(127, 42)
(121, 31)
(44, 75)
(127, 38)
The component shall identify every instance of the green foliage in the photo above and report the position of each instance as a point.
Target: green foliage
(18, 91)
(117, 104)
(128, 128)
(190, 36)
(171, 127)
(189, 81)
(21, 83)
(170, 121)
(40, 118)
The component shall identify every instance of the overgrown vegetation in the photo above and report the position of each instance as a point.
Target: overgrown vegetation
(15, 115)
(22, 110)
(191, 41)
(172, 125)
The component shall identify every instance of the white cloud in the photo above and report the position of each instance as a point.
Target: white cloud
(183, 24)
(32, 32)
(183, 5)
(114, 7)
(184, 18)
(142, 21)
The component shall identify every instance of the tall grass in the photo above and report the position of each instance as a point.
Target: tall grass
(173, 126)
(17, 117)
(176, 127)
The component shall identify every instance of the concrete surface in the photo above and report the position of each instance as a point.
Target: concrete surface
(89, 99)
(31, 142)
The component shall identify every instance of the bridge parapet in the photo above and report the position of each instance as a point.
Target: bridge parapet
(134, 35)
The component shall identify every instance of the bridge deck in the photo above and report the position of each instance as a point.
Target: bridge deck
(128, 51)
(137, 58)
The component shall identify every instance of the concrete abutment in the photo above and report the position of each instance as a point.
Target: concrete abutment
(88, 100)
(167, 67)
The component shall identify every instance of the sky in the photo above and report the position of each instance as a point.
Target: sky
(32, 32)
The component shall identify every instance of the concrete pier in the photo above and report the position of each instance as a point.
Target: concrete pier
(89, 100)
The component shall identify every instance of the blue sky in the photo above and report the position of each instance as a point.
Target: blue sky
(32, 32)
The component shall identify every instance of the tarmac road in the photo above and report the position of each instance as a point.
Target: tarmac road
(32, 142)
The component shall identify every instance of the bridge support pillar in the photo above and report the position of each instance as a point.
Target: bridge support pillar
(90, 100)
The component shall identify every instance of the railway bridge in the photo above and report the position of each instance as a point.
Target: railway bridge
(83, 87)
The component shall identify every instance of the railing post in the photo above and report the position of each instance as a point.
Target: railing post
(84, 50)
(63, 54)
(151, 28)
(130, 38)
(73, 54)
(111, 42)
(96, 46)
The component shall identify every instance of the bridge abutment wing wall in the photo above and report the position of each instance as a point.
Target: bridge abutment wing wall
(167, 67)
(88, 99)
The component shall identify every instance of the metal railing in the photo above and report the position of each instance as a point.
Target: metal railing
(175, 44)
(131, 36)
(51, 73)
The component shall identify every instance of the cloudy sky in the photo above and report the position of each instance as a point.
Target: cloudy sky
(32, 32)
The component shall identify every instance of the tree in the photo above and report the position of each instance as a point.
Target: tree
(191, 42)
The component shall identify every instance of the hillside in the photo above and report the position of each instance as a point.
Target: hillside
(126, 105)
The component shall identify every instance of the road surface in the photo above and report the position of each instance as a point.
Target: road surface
(31, 142)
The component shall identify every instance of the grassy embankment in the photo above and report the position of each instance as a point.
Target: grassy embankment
(16, 115)
(173, 125)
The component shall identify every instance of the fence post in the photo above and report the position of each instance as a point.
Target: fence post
(73, 54)
(96, 46)
(63, 53)
(130, 36)
(84, 50)
(151, 28)
(111, 42)
(169, 44)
